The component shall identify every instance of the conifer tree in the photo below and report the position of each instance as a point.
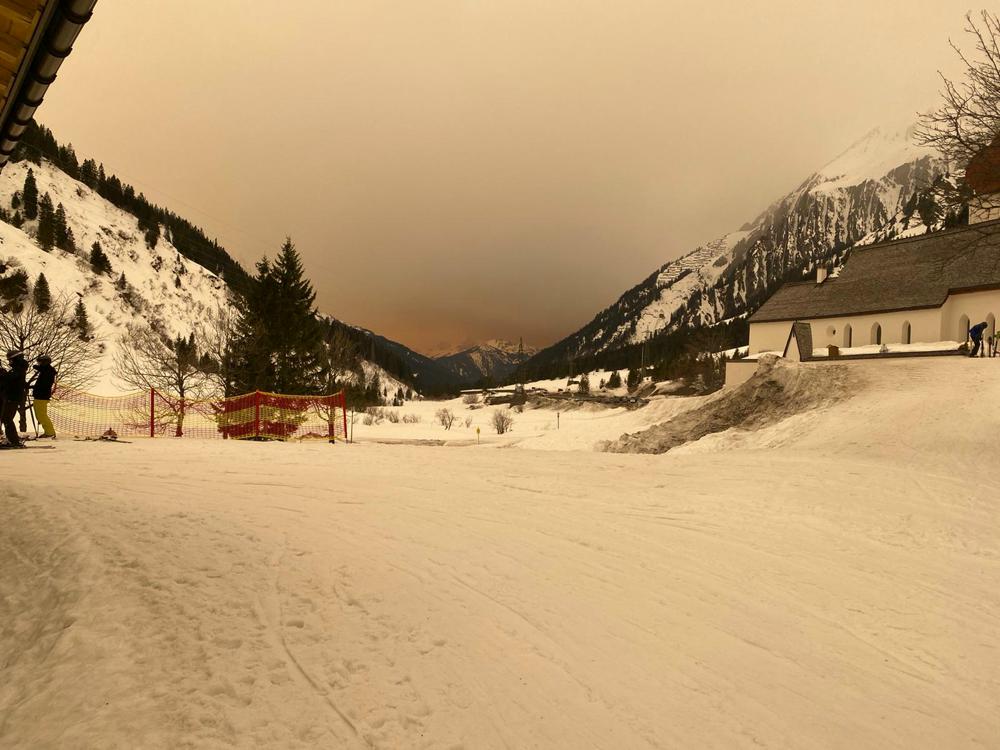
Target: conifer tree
(634, 379)
(278, 343)
(88, 173)
(29, 195)
(42, 295)
(60, 228)
(99, 262)
(46, 223)
(15, 200)
(80, 321)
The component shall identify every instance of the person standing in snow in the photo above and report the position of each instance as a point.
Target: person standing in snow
(41, 393)
(976, 333)
(13, 389)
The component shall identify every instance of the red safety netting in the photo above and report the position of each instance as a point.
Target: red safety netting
(256, 415)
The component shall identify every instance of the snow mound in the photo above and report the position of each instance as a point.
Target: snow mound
(778, 390)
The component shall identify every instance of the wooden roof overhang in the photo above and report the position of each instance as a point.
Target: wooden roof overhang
(35, 37)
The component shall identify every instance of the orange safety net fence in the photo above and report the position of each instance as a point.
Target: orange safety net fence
(259, 415)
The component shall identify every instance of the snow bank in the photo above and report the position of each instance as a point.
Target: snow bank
(778, 390)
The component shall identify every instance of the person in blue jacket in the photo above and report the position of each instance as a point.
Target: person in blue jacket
(976, 334)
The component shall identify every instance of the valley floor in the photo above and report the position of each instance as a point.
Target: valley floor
(832, 581)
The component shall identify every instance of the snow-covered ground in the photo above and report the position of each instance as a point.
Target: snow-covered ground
(572, 426)
(830, 581)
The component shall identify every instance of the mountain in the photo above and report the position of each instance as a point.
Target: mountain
(494, 360)
(158, 275)
(882, 185)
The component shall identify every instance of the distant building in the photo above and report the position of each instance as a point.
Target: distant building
(919, 290)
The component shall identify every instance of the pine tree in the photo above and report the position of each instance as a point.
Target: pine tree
(60, 228)
(99, 262)
(29, 194)
(278, 344)
(46, 223)
(122, 284)
(634, 378)
(15, 200)
(584, 386)
(42, 294)
(614, 380)
(88, 173)
(81, 322)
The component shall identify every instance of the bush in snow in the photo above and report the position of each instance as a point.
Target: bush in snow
(411, 419)
(470, 398)
(374, 415)
(445, 417)
(503, 420)
(392, 416)
(584, 386)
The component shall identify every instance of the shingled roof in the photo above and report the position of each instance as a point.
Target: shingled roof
(919, 272)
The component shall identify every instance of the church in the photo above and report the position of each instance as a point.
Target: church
(919, 290)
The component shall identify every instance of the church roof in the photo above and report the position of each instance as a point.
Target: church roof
(918, 272)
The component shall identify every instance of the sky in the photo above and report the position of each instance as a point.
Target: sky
(459, 170)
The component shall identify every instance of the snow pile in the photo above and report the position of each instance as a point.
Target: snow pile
(778, 390)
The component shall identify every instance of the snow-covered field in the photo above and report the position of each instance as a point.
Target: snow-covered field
(831, 581)
(572, 426)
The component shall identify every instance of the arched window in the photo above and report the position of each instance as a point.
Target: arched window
(876, 334)
(963, 328)
(905, 338)
(847, 336)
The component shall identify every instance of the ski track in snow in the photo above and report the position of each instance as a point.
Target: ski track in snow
(829, 585)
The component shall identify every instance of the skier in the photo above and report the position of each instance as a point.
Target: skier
(13, 390)
(41, 393)
(976, 333)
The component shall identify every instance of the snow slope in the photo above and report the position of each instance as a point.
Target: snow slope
(830, 581)
(164, 288)
(168, 289)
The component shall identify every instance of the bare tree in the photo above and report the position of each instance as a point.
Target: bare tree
(969, 119)
(503, 420)
(148, 359)
(53, 332)
(446, 417)
(217, 338)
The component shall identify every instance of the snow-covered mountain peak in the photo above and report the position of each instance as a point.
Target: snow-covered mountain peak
(872, 157)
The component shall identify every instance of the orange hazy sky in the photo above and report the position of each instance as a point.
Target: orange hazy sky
(457, 170)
